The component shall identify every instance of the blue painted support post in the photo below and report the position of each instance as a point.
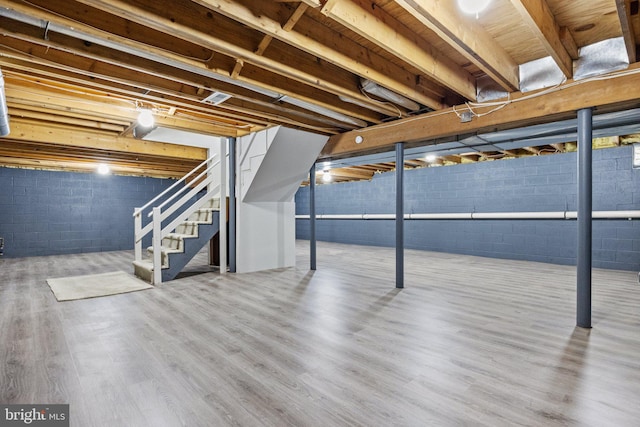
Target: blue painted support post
(232, 205)
(399, 215)
(583, 315)
(312, 216)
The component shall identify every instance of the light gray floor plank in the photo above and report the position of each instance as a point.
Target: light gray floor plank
(469, 341)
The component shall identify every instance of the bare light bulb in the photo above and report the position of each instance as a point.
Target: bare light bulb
(430, 158)
(326, 176)
(145, 118)
(103, 169)
(473, 7)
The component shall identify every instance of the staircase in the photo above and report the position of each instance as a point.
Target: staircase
(180, 221)
(180, 246)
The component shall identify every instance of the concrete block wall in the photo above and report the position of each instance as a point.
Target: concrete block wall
(50, 213)
(540, 183)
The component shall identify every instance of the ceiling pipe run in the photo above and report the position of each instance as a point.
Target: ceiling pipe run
(4, 111)
(386, 94)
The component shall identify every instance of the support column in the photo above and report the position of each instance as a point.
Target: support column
(399, 215)
(312, 216)
(223, 207)
(232, 205)
(583, 315)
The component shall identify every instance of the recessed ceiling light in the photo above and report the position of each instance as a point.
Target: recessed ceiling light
(359, 139)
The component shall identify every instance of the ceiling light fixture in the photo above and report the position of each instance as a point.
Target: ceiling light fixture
(430, 158)
(386, 94)
(359, 139)
(326, 176)
(103, 169)
(145, 118)
(473, 7)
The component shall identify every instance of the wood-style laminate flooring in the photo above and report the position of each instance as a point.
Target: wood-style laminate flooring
(469, 341)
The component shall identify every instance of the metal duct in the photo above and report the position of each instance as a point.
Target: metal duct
(601, 58)
(539, 74)
(4, 111)
(384, 93)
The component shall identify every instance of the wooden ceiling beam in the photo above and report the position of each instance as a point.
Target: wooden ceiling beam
(623, 7)
(305, 85)
(74, 121)
(75, 166)
(191, 109)
(158, 78)
(292, 68)
(30, 130)
(101, 111)
(569, 43)
(351, 173)
(130, 91)
(267, 110)
(295, 17)
(618, 90)
(532, 150)
(333, 48)
(41, 97)
(467, 37)
(372, 23)
(540, 20)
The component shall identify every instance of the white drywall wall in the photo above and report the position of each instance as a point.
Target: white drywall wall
(271, 165)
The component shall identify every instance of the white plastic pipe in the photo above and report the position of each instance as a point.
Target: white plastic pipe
(518, 215)
(628, 214)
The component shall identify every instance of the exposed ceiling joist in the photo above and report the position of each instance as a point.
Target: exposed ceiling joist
(623, 8)
(32, 130)
(159, 59)
(333, 49)
(538, 16)
(620, 88)
(299, 64)
(362, 17)
(467, 37)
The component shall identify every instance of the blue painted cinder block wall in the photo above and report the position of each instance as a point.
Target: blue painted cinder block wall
(540, 183)
(51, 213)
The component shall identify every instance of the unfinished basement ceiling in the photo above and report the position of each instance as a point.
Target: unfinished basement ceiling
(77, 72)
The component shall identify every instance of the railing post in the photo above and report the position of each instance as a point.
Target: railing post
(157, 244)
(137, 244)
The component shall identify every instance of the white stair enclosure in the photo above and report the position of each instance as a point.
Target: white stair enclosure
(271, 165)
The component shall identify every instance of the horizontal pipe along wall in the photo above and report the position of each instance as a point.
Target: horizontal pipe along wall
(532, 184)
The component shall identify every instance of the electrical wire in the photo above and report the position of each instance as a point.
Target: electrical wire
(473, 106)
